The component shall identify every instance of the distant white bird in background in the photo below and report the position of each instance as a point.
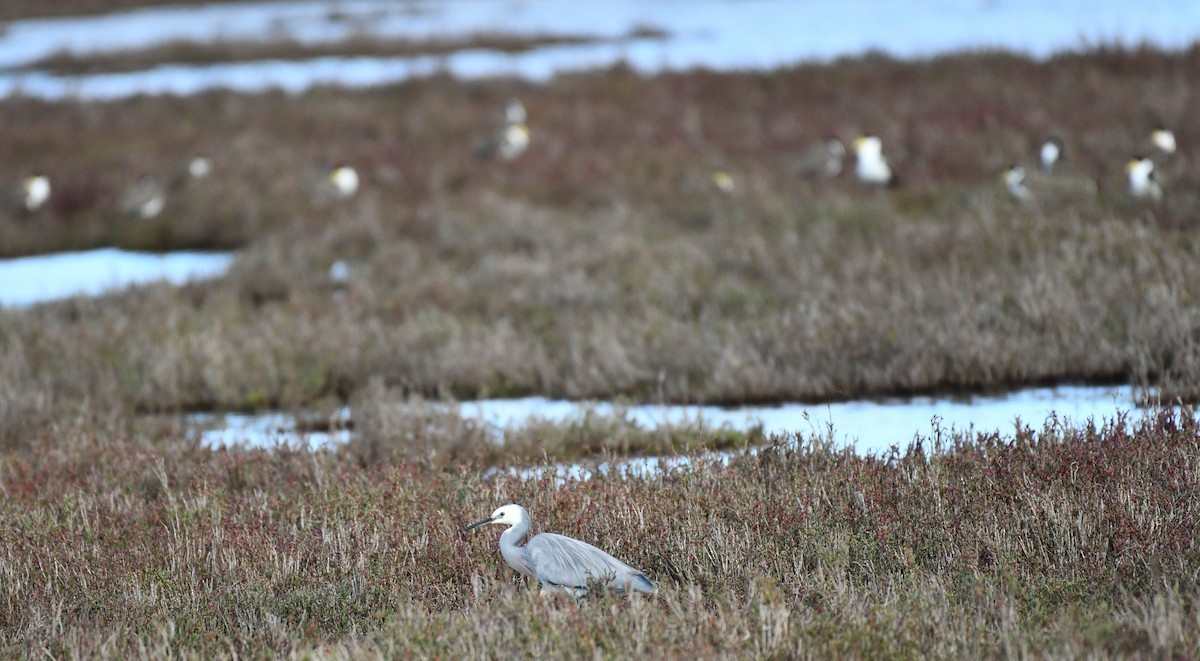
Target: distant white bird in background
(345, 180)
(341, 181)
(1014, 182)
(199, 167)
(1051, 152)
(143, 200)
(1164, 139)
(508, 143)
(510, 139)
(558, 562)
(871, 166)
(1142, 181)
(339, 273)
(821, 159)
(332, 182)
(35, 192)
(514, 111)
(722, 180)
(28, 196)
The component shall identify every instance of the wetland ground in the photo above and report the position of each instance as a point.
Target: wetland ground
(603, 263)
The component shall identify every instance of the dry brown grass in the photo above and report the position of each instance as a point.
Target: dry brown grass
(18, 9)
(594, 266)
(124, 540)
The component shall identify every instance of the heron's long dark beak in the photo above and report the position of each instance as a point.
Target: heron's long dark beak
(480, 523)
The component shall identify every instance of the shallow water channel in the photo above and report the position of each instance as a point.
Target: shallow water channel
(716, 34)
(27, 281)
(869, 426)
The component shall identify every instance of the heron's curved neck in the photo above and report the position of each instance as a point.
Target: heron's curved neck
(515, 533)
(516, 556)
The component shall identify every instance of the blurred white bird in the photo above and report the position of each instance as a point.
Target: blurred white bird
(508, 143)
(514, 111)
(337, 182)
(871, 166)
(722, 180)
(1014, 181)
(1051, 152)
(510, 139)
(1164, 139)
(143, 200)
(1142, 181)
(196, 169)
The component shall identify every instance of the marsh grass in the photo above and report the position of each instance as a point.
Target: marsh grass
(1063, 541)
(19, 9)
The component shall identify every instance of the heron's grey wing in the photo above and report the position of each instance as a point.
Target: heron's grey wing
(565, 562)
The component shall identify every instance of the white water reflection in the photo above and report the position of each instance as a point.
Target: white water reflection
(867, 426)
(717, 34)
(266, 430)
(28, 280)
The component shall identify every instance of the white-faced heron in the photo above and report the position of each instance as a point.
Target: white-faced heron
(560, 563)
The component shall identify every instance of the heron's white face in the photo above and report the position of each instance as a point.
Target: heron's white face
(509, 515)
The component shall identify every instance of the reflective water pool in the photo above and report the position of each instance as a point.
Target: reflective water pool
(29, 280)
(717, 34)
(869, 426)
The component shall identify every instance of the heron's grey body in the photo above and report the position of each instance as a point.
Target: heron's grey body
(558, 562)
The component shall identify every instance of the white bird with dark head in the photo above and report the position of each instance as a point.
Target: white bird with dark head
(560, 563)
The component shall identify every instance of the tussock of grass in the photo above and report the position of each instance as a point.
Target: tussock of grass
(1059, 541)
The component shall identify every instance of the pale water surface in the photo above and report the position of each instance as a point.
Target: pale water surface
(867, 426)
(25, 281)
(717, 34)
